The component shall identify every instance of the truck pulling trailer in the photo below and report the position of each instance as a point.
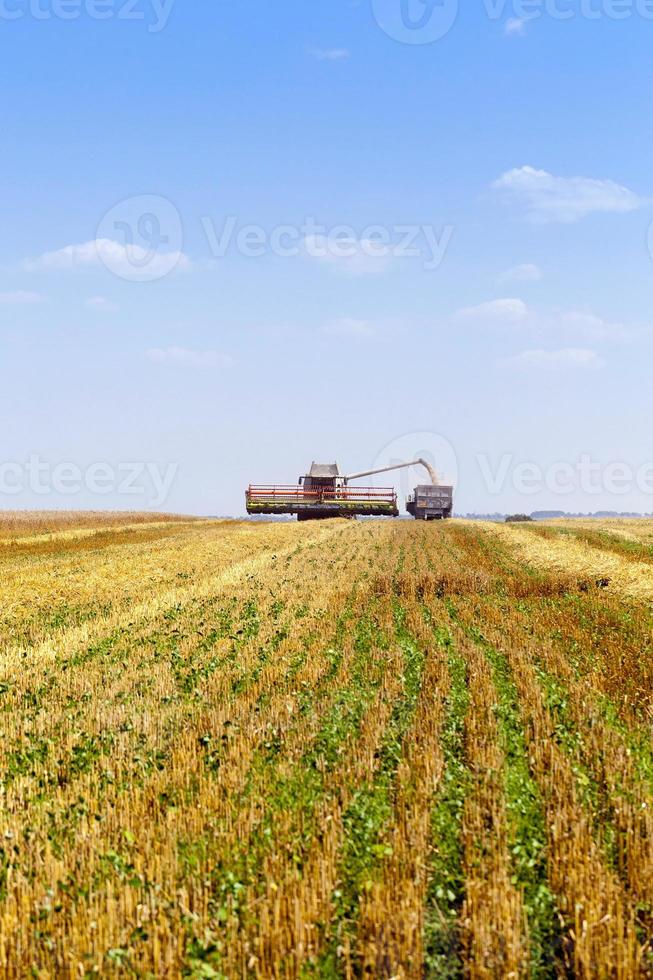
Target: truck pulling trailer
(324, 492)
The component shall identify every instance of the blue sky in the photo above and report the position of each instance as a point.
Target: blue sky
(510, 158)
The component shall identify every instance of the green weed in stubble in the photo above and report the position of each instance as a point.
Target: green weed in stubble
(526, 816)
(446, 891)
(299, 792)
(367, 816)
(572, 741)
(638, 740)
(525, 810)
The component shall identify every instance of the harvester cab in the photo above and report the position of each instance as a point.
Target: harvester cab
(322, 476)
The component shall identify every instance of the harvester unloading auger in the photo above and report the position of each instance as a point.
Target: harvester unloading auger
(397, 466)
(324, 492)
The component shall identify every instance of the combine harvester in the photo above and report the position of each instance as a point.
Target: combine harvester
(324, 492)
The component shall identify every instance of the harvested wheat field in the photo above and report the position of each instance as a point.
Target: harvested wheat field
(330, 749)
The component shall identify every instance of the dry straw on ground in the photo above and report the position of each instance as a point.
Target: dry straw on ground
(338, 749)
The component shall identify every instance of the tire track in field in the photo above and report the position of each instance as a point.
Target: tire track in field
(494, 932)
(638, 530)
(566, 555)
(14, 656)
(38, 545)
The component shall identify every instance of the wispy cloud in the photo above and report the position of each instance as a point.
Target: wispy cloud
(129, 261)
(186, 357)
(20, 298)
(564, 199)
(515, 27)
(348, 327)
(329, 54)
(101, 303)
(555, 360)
(496, 310)
(579, 325)
(591, 326)
(528, 272)
(353, 256)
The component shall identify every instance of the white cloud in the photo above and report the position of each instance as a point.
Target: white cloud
(347, 327)
(69, 257)
(591, 326)
(330, 54)
(20, 298)
(515, 26)
(101, 303)
(528, 272)
(354, 256)
(574, 325)
(127, 261)
(555, 360)
(496, 309)
(564, 199)
(185, 357)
